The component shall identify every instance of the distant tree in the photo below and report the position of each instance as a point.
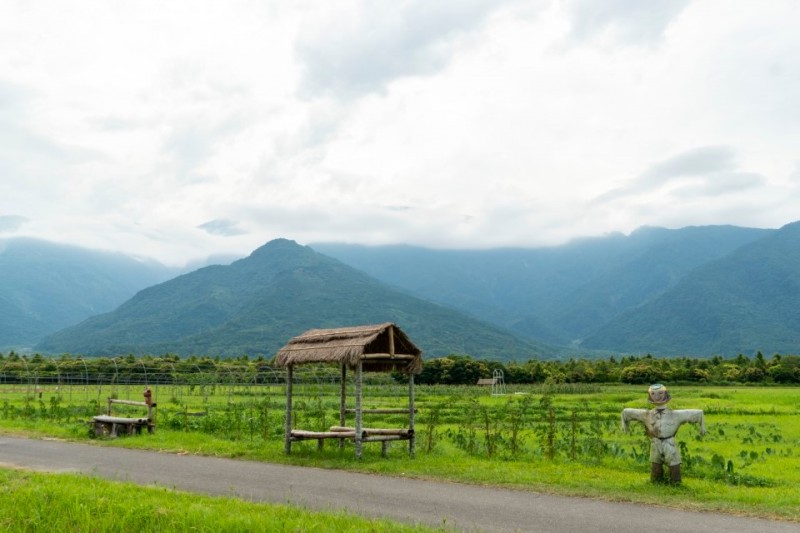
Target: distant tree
(516, 373)
(760, 362)
(433, 371)
(581, 373)
(753, 374)
(466, 371)
(554, 375)
(731, 372)
(787, 370)
(641, 373)
(536, 371)
(604, 371)
(682, 370)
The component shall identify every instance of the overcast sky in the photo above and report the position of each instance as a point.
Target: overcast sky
(176, 130)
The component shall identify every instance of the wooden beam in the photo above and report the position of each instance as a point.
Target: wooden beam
(127, 402)
(119, 420)
(401, 356)
(381, 411)
(382, 438)
(300, 434)
(342, 429)
(372, 431)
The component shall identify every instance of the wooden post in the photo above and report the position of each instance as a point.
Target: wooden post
(343, 401)
(391, 341)
(357, 439)
(411, 444)
(288, 442)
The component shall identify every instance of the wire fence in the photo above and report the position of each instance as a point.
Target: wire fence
(82, 382)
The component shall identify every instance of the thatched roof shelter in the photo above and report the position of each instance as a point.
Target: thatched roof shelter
(379, 347)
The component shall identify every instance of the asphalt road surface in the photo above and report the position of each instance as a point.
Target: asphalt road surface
(456, 506)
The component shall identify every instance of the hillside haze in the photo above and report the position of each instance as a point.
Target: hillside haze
(560, 294)
(747, 301)
(45, 287)
(254, 305)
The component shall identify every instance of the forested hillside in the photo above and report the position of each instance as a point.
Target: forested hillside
(742, 303)
(559, 294)
(256, 304)
(45, 286)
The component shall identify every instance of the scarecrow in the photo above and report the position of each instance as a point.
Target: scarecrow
(661, 425)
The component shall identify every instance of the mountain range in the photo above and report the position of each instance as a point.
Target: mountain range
(744, 302)
(588, 294)
(697, 291)
(256, 304)
(45, 286)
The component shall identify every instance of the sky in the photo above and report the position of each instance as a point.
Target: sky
(182, 129)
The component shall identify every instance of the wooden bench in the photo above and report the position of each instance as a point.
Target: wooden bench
(487, 381)
(109, 425)
(382, 435)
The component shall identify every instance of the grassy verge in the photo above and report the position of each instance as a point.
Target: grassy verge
(69, 502)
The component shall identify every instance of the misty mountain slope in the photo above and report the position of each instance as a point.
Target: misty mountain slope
(555, 294)
(482, 282)
(45, 286)
(747, 301)
(662, 258)
(256, 304)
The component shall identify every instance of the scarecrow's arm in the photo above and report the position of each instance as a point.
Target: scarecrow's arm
(635, 415)
(692, 416)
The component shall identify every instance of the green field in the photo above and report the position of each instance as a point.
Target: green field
(563, 439)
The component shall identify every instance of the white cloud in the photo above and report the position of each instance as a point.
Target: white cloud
(350, 48)
(702, 161)
(626, 21)
(11, 222)
(225, 227)
(190, 128)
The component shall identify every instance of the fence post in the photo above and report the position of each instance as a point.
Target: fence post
(288, 437)
(357, 439)
(342, 400)
(411, 441)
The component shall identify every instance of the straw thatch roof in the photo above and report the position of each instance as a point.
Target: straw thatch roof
(380, 347)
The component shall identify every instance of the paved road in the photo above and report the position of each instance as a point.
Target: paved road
(464, 507)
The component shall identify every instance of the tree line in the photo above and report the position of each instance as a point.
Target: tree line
(462, 370)
(456, 369)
